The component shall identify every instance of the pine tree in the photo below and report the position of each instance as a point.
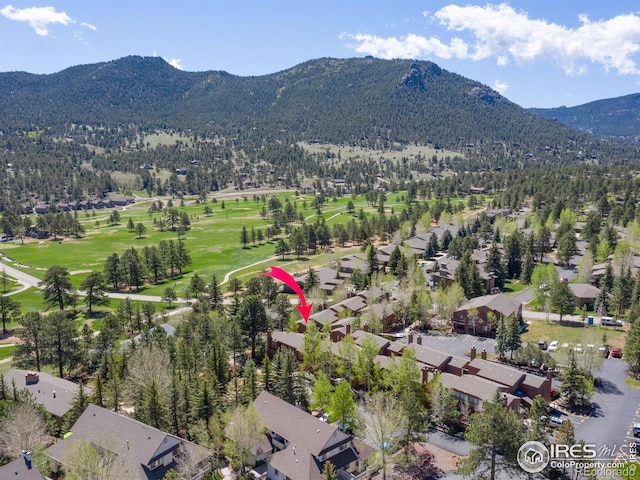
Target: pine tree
(244, 236)
(632, 347)
(329, 471)
(249, 382)
(513, 335)
(494, 265)
(495, 434)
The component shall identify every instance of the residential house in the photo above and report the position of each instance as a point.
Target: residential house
(473, 316)
(22, 468)
(140, 451)
(301, 443)
(585, 294)
(53, 393)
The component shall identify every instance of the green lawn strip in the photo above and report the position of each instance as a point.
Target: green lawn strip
(513, 287)
(572, 332)
(6, 352)
(633, 383)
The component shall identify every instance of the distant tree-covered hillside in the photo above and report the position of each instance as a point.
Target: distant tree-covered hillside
(359, 102)
(614, 118)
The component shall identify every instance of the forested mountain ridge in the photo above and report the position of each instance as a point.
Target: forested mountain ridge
(613, 118)
(360, 101)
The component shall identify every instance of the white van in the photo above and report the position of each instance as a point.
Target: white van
(607, 321)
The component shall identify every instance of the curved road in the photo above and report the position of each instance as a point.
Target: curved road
(28, 280)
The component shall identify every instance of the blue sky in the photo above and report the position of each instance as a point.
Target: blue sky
(538, 53)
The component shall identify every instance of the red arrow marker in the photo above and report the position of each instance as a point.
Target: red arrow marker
(287, 279)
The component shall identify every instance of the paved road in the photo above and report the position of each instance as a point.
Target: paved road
(28, 280)
(616, 409)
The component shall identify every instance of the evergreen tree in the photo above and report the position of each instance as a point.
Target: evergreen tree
(214, 294)
(501, 338)
(632, 348)
(495, 434)
(494, 265)
(57, 287)
(9, 311)
(94, 286)
(329, 471)
(468, 276)
(513, 334)
(250, 381)
(253, 319)
(244, 236)
(573, 383)
(539, 421)
(513, 255)
(562, 298)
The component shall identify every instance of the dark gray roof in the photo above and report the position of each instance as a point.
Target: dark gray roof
(470, 385)
(584, 290)
(431, 357)
(42, 391)
(136, 444)
(290, 339)
(495, 372)
(307, 436)
(360, 335)
(501, 303)
(20, 469)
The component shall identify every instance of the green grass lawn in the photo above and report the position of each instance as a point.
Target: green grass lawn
(6, 352)
(213, 241)
(513, 287)
(573, 333)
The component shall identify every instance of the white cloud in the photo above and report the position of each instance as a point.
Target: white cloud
(89, 26)
(39, 18)
(500, 31)
(174, 62)
(500, 86)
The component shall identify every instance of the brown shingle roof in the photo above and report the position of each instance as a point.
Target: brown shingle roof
(497, 373)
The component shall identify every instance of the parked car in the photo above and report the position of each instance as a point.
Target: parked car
(542, 344)
(556, 421)
(578, 348)
(553, 346)
(636, 429)
(606, 321)
(616, 352)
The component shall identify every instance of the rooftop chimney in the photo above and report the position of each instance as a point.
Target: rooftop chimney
(347, 328)
(473, 352)
(484, 354)
(411, 338)
(27, 458)
(419, 339)
(31, 378)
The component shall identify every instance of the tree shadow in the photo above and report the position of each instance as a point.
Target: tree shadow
(607, 387)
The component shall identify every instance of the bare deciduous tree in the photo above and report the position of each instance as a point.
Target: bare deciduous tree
(22, 429)
(383, 419)
(86, 461)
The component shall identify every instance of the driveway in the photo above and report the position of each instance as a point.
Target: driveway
(616, 408)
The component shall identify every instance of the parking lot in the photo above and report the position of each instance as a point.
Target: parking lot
(458, 345)
(616, 405)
